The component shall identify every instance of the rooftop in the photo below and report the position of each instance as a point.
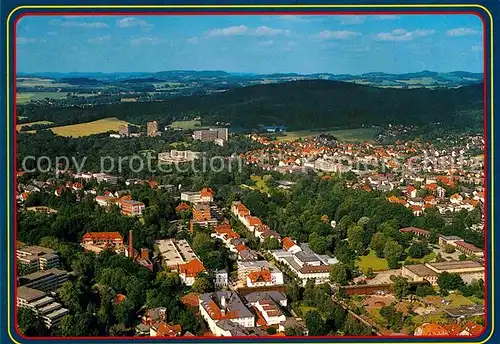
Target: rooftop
(421, 270)
(29, 294)
(466, 264)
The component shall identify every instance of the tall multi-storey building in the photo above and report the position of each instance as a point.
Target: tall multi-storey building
(218, 135)
(47, 280)
(123, 130)
(152, 128)
(37, 257)
(50, 311)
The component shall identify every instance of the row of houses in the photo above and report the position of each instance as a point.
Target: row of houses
(253, 223)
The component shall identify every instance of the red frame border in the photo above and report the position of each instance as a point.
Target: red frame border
(183, 12)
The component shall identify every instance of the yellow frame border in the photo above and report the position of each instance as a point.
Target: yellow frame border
(409, 6)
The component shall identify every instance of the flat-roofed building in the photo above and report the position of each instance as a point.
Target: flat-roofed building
(26, 296)
(419, 272)
(152, 128)
(50, 311)
(219, 135)
(306, 264)
(46, 280)
(37, 257)
(468, 269)
(175, 252)
(131, 208)
(177, 157)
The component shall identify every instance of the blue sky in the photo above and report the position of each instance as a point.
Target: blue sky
(258, 44)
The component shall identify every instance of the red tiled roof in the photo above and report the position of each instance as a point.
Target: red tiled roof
(119, 298)
(192, 268)
(254, 221)
(182, 207)
(453, 329)
(258, 276)
(190, 300)
(468, 246)
(434, 329)
(473, 328)
(206, 192)
(166, 330)
(287, 243)
(102, 235)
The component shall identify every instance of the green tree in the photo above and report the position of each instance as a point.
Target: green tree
(317, 243)
(418, 250)
(271, 243)
(315, 323)
(293, 291)
(449, 281)
(448, 248)
(378, 244)
(293, 331)
(424, 290)
(30, 324)
(400, 286)
(392, 252)
(338, 274)
(356, 238)
(203, 284)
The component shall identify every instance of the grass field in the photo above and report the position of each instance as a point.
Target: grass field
(372, 261)
(39, 82)
(457, 300)
(23, 98)
(20, 126)
(186, 125)
(359, 134)
(90, 128)
(437, 317)
(260, 183)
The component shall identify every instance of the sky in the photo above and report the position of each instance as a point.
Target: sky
(339, 44)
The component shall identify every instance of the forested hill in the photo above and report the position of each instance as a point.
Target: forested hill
(307, 104)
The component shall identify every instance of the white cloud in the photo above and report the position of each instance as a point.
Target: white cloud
(462, 31)
(52, 33)
(266, 43)
(267, 31)
(340, 35)
(26, 40)
(245, 30)
(99, 40)
(132, 22)
(228, 31)
(193, 40)
(147, 40)
(403, 35)
(71, 24)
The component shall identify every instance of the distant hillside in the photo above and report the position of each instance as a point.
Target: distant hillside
(319, 104)
(309, 104)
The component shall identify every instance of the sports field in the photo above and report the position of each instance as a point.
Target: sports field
(359, 134)
(96, 127)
